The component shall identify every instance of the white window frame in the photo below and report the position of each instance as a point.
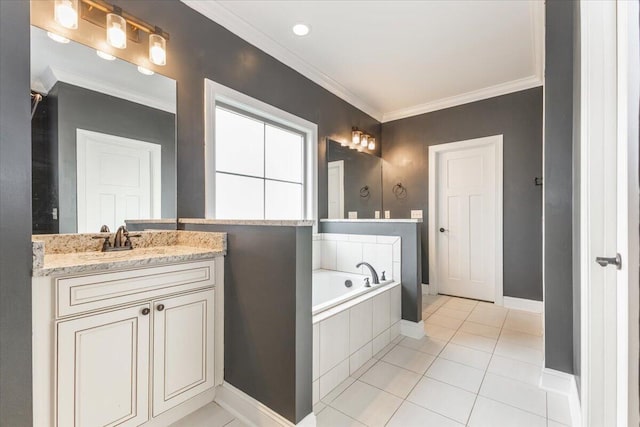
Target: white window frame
(216, 93)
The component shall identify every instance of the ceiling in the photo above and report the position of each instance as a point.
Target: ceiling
(395, 59)
(79, 65)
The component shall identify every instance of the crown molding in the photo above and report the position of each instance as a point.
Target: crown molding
(52, 75)
(464, 98)
(232, 22)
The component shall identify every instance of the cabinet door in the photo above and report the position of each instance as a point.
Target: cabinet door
(183, 337)
(103, 369)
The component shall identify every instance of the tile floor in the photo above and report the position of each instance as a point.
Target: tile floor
(479, 365)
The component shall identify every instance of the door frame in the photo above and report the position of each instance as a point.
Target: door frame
(609, 96)
(155, 153)
(434, 152)
(339, 164)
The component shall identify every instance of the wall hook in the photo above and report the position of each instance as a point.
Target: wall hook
(400, 191)
(364, 191)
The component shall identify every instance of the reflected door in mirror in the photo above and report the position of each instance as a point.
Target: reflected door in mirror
(116, 179)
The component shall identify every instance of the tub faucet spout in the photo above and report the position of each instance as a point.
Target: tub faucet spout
(374, 275)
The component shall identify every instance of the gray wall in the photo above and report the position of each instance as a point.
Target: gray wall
(15, 216)
(267, 312)
(200, 48)
(558, 203)
(517, 116)
(410, 251)
(80, 108)
(360, 169)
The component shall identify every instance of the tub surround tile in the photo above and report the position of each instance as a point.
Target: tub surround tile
(380, 343)
(381, 313)
(333, 378)
(329, 397)
(361, 316)
(316, 254)
(360, 357)
(316, 351)
(335, 332)
(394, 332)
(349, 255)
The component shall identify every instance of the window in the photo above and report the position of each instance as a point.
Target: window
(261, 162)
(260, 167)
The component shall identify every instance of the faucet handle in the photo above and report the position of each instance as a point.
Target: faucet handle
(127, 241)
(106, 244)
(366, 282)
(383, 278)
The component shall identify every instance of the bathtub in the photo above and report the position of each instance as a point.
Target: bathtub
(330, 288)
(350, 325)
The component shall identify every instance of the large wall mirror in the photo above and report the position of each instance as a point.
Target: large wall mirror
(354, 182)
(103, 139)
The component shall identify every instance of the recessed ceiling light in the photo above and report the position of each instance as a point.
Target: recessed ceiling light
(105, 55)
(145, 71)
(301, 29)
(57, 38)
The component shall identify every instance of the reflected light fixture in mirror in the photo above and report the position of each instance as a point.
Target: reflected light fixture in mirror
(145, 71)
(66, 13)
(372, 143)
(364, 140)
(105, 55)
(157, 49)
(355, 136)
(116, 30)
(57, 38)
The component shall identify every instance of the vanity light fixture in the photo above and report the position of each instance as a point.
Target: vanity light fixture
(57, 38)
(372, 143)
(116, 29)
(157, 48)
(301, 30)
(145, 71)
(65, 13)
(364, 140)
(355, 136)
(105, 55)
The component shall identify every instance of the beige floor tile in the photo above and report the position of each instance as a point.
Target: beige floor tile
(392, 379)
(445, 321)
(410, 415)
(367, 404)
(480, 329)
(438, 332)
(407, 358)
(329, 417)
(424, 344)
(467, 356)
(490, 413)
(445, 399)
(515, 393)
(476, 342)
(456, 374)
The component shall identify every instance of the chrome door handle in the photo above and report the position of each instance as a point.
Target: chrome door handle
(442, 230)
(604, 261)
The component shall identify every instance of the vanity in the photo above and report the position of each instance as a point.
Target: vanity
(128, 338)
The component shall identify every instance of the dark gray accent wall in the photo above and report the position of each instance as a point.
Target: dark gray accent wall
(518, 117)
(267, 314)
(15, 217)
(360, 169)
(200, 48)
(410, 251)
(558, 180)
(80, 108)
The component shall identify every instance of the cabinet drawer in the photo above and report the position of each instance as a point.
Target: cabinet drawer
(93, 292)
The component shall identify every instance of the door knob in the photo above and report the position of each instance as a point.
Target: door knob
(160, 307)
(145, 311)
(442, 230)
(604, 261)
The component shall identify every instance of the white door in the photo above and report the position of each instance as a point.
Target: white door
(467, 206)
(183, 348)
(103, 369)
(609, 212)
(118, 178)
(336, 189)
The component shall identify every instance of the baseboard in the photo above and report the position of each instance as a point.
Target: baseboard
(412, 329)
(182, 410)
(251, 412)
(563, 383)
(523, 304)
(425, 289)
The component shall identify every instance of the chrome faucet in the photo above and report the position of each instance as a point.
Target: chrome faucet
(117, 239)
(374, 275)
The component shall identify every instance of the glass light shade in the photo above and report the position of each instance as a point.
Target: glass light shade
(372, 144)
(66, 13)
(157, 49)
(145, 71)
(355, 136)
(116, 31)
(364, 140)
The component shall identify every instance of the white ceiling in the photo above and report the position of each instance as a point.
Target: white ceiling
(79, 65)
(395, 59)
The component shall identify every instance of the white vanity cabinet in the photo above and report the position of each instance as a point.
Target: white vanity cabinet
(127, 347)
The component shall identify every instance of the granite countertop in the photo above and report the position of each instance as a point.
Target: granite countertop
(269, 222)
(80, 253)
